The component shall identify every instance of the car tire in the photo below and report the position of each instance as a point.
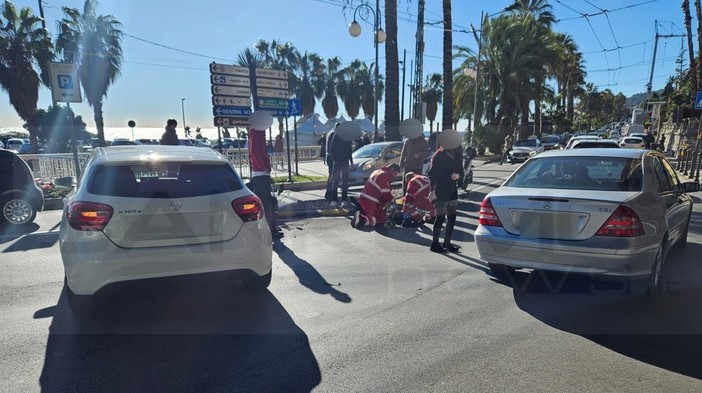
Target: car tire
(651, 285)
(80, 305)
(255, 282)
(10, 206)
(500, 271)
(682, 242)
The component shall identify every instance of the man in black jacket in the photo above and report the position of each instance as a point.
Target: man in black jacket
(445, 174)
(170, 137)
(340, 151)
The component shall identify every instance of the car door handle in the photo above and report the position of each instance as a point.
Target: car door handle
(681, 199)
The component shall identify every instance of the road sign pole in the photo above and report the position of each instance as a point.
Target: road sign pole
(297, 173)
(287, 141)
(74, 141)
(219, 139)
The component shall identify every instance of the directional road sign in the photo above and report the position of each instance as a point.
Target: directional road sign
(228, 69)
(276, 112)
(277, 103)
(231, 101)
(231, 91)
(294, 107)
(698, 100)
(218, 79)
(267, 73)
(65, 85)
(231, 111)
(231, 121)
(273, 93)
(273, 83)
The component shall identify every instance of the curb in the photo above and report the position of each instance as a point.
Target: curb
(304, 186)
(312, 213)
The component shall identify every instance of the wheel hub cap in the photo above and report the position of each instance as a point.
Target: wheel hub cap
(17, 211)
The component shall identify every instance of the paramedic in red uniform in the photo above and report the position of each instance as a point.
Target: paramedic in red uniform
(416, 204)
(375, 195)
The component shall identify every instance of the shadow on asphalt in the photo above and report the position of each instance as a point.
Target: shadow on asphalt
(9, 233)
(665, 332)
(33, 242)
(178, 336)
(307, 274)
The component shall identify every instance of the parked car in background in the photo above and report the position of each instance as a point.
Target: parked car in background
(575, 138)
(15, 144)
(604, 212)
(524, 149)
(124, 142)
(599, 143)
(20, 197)
(193, 142)
(550, 142)
(632, 142)
(144, 212)
(231, 143)
(371, 157)
(147, 141)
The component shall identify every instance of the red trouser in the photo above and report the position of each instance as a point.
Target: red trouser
(373, 213)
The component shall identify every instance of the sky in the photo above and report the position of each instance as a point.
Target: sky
(168, 45)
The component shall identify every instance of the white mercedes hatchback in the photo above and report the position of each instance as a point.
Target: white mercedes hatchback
(142, 212)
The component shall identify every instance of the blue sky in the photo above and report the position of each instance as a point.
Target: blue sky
(154, 79)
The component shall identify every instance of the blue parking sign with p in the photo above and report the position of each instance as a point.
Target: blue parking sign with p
(698, 100)
(65, 81)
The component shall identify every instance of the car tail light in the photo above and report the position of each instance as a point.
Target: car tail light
(248, 208)
(624, 222)
(487, 216)
(89, 216)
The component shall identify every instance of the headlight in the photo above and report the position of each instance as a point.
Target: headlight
(368, 165)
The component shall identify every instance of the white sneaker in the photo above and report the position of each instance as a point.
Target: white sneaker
(333, 204)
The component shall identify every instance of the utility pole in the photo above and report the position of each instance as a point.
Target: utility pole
(419, 63)
(41, 13)
(649, 87)
(404, 63)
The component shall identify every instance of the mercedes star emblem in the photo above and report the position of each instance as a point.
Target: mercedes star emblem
(176, 205)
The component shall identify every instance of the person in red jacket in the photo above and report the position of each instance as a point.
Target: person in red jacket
(416, 206)
(375, 195)
(261, 177)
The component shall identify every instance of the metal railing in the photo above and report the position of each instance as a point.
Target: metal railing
(52, 166)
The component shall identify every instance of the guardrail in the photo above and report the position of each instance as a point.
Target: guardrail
(52, 166)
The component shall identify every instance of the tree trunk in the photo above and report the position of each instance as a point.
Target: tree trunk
(447, 115)
(392, 74)
(698, 12)
(690, 47)
(99, 123)
(33, 138)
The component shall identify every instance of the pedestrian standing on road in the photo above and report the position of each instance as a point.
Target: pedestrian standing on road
(445, 174)
(341, 156)
(226, 134)
(261, 168)
(170, 137)
(509, 142)
(377, 192)
(279, 144)
(414, 151)
(331, 135)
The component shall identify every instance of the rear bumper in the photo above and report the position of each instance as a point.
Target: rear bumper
(582, 257)
(91, 261)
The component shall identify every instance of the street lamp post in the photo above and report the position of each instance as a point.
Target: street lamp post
(355, 31)
(182, 107)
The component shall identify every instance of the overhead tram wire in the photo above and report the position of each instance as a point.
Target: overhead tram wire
(582, 15)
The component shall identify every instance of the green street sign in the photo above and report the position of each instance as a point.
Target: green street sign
(279, 103)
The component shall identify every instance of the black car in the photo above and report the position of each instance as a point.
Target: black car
(20, 198)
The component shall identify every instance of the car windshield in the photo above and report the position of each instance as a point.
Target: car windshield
(525, 143)
(579, 173)
(551, 139)
(169, 180)
(369, 151)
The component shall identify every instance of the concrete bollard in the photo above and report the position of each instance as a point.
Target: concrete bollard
(693, 164)
(697, 171)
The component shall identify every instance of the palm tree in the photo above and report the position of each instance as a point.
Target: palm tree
(308, 79)
(447, 115)
(332, 77)
(349, 88)
(278, 56)
(698, 14)
(367, 86)
(690, 49)
(25, 51)
(94, 43)
(432, 93)
(392, 74)
(251, 59)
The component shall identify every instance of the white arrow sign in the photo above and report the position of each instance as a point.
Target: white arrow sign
(273, 93)
(231, 91)
(229, 80)
(275, 83)
(275, 74)
(228, 69)
(231, 101)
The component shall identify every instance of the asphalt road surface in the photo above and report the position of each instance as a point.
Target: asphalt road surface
(354, 311)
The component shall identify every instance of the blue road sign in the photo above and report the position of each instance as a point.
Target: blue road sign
(294, 107)
(231, 111)
(698, 100)
(276, 112)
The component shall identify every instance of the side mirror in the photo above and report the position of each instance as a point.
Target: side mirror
(691, 186)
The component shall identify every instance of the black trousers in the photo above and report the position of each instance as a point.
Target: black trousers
(262, 189)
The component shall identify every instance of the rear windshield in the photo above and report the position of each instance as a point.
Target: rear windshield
(579, 173)
(592, 144)
(168, 180)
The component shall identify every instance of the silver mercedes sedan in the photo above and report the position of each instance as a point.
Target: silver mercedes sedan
(603, 212)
